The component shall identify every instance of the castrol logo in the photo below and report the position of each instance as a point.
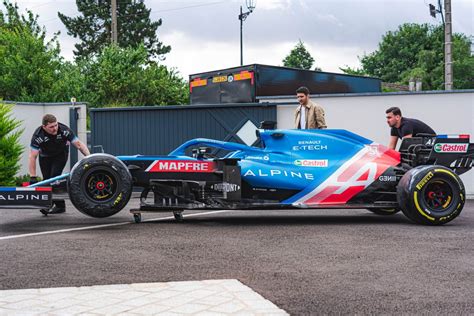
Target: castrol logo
(321, 163)
(451, 148)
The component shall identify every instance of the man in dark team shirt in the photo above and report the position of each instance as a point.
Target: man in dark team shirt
(403, 127)
(51, 143)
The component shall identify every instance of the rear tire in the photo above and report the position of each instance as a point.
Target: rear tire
(384, 211)
(431, 195)
(100, 185)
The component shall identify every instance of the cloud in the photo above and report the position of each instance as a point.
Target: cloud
(219, 55)
(273, 4)
(205, 34)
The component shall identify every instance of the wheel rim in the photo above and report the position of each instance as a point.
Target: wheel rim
(438, 195)
(100, 185)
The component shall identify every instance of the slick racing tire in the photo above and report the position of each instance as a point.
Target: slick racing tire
(100, 185)
(384, 211)
(431, 195)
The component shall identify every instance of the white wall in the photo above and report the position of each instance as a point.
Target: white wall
(31, 115)
(446, 113)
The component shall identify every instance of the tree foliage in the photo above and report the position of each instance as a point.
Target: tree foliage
(299, 57)
(93, 27)
(29, 64)
(417, 51)
(12, 19)
(125, 76)
(32, 70)
(10, 148)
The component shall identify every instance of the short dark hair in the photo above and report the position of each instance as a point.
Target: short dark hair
(302, 90)
(395, 110)
(49, 118)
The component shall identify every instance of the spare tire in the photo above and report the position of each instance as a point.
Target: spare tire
(100, 185)
(432, 195)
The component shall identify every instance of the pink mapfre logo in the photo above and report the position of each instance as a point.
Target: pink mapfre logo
(181, 166)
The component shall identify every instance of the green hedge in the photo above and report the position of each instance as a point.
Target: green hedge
(10, 148)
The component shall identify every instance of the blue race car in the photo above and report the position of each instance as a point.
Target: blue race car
(290, 169)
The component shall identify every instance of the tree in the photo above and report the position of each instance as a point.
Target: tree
(93, 27)
(10, 148)
(29, 64)
(12, 20)
(126, 77)
(299, 57)
(417, 51)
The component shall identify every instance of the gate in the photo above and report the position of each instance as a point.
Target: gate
(160, 129)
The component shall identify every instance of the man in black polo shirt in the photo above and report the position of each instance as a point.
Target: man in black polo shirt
(51, 143)
(403, 127)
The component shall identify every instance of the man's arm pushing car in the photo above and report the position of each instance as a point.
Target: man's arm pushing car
(32, 164)
(394, 140)
(35, 152)
(81, 147)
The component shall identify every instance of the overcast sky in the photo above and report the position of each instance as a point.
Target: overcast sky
(204, 34)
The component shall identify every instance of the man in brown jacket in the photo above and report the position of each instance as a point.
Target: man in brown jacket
(308, 115)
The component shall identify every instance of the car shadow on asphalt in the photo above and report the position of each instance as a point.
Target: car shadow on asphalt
(284, 220)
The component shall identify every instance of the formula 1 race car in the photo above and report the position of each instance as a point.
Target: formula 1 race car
(290, 169)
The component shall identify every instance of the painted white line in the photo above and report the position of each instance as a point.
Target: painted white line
(105, 225)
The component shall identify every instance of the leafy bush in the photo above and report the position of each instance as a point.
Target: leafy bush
(19, 180)
(10, 148)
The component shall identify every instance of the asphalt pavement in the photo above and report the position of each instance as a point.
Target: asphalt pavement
(305, 261)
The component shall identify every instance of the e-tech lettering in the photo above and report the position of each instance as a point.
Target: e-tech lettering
(309, 145)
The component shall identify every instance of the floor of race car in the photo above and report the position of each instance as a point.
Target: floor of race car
(292, 261)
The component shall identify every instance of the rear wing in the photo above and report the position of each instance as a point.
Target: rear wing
(39, 197)
(452, 151)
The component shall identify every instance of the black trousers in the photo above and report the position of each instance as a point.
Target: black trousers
(52, 167)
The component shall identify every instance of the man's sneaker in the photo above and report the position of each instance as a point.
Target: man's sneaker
(57, 210)
(44, 211)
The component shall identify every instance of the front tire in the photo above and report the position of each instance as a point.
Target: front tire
(431, 195)
(100, 185)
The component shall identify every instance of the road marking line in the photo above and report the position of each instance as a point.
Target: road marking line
(105, 225)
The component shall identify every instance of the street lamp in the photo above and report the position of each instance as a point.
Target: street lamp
(242, 16)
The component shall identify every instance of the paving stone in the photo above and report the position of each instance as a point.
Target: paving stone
(230, 307)
(140, 301)
(189, 308)
(164, 294)
(58, 290)
(62, 303)
(209, 313)
(208, 297)
(23, 305)
(72, 310)
(177, 300)
(112, 310)
(151, 309)
(200, 293)
(214, 300)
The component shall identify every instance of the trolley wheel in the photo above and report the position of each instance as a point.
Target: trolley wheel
(137, 218)
(178, 216)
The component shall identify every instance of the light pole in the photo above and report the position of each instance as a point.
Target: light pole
(242, 16)
(448, 56)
